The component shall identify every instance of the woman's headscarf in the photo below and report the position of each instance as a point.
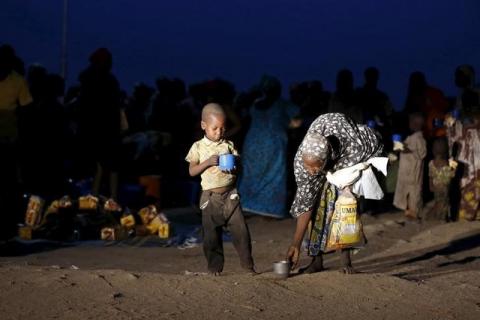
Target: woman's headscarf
(316, 146)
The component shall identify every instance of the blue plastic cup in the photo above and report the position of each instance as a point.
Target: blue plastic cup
(371, 124)
(437, 123)
(397, 138)
(226, 162)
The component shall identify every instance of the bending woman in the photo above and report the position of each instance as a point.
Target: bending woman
(332, 142)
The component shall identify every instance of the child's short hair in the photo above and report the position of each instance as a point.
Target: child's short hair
(440, 143)
(212, 109)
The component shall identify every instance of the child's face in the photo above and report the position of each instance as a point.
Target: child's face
(416, 123)
(214, 127)
(439, 149)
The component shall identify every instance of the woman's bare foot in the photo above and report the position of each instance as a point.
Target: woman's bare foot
(250, 271)
(348, 270)
(346, 261)
(315, 266)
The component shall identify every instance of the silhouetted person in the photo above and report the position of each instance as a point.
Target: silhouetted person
(45, 143)
(163, 107)
(264, 159)
(428, 100)
(28, 122)
(464, 80)
(14, 93)
(99, 118)
(223, 93)
(344, 99)
(375, 103)
(17, 63)
(137, 108)
(36, 78)
(316, 102)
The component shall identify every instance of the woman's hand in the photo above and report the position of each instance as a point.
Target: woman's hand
(293, 256)
(295, 123)
(293, 253)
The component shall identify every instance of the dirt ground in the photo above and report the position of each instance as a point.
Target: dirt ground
(407, 271)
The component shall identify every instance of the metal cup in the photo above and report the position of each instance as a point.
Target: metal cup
(281, 269)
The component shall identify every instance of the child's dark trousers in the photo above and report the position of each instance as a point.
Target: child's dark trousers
(221, 210)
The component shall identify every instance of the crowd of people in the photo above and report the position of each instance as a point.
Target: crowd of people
(50, 136)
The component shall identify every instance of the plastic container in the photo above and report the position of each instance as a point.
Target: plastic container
(456, 113)
(397, 138)
(226, 162)
(371, 124)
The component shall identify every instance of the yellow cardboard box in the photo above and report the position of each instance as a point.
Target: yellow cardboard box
(25, 232)
(33, 216)
(128, 221)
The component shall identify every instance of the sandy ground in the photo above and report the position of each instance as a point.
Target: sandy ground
(408, 271)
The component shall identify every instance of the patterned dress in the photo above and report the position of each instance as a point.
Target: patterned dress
(441, 178)
(263, 183)
(356, 143)
(468, 141)
(351, 144)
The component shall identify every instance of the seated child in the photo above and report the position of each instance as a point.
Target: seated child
(408, 192)
(219, 202)
(440, 175)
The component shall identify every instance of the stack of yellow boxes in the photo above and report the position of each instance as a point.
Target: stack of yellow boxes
(33, 217)
(155, 223)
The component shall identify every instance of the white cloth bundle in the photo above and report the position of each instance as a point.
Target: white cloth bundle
(362, 178)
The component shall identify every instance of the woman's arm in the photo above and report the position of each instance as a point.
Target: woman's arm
(293, 253)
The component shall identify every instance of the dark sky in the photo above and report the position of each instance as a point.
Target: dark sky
(240, 40)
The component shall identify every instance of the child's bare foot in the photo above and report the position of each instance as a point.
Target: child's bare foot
(411, 215)
(215, 274)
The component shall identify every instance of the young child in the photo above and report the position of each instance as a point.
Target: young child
(219, 202)
(465, 134)
(440, 175)
(408, 193)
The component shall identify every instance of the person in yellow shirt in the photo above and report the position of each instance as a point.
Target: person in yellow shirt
(219, 202)
(14, 92)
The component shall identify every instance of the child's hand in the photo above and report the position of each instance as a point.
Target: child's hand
(449, 121)
(453, 164)
(392, 157)
(398, 146)
(213, 161)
